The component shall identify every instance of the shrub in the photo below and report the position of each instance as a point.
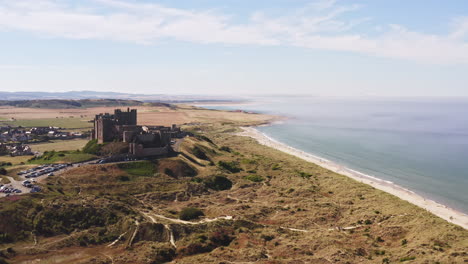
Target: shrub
(5, 238)
(204, 138)
(168, 172)
(199, 153)
(197, 180)
(190, 213)
(193, 249)
(163, 254)
(407, 259)
(304, 175)
(221, 237)
(3, 171)
(268, 237)
(379, 252)
(225, 148)
(404, 242)
(218, 183)
(124, 178)
(254, 178)
(275, 167)
(248, 161)
(92, 147)
(232, 166)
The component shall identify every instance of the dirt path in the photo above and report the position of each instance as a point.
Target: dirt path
(152, 216)
(203, 221)
(117, 240)
(137, 227)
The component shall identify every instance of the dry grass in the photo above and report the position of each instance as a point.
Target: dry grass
(76, 118)
(15, 160)
(300, 213)
(60, 145)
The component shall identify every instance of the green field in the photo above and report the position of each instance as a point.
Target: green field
(67, 123)
(62, 157)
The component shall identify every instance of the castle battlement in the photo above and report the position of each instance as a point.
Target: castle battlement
(143, 140)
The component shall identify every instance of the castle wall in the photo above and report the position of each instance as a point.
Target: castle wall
(140, 151)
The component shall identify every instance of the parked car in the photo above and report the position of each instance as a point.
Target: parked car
(35, 189)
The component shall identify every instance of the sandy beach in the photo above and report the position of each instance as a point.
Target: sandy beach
(437, 209)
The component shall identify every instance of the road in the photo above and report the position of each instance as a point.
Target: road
(19, 184)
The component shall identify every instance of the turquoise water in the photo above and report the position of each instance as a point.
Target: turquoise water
(419, 144)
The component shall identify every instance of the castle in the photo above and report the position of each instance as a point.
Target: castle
(143, 141)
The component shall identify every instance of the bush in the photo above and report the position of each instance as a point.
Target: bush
(204, 138)
(218, 183)
(276, 166)
(199, 153)
(221, 237)
(225, 148)
(92, 147)
(123, 178)
(5, 238)
(254, 178)
(193, 249)
(232, 166)
(168, 172)
(407, 259)
(3, 171)
(304, 175)
(190, 213)
(163, 254)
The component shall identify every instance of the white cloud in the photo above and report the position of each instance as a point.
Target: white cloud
(319, 25)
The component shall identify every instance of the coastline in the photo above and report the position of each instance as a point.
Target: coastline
(442, 211)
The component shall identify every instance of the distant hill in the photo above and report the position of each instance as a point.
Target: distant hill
(79, 95)
(65, 95)
(85, 103)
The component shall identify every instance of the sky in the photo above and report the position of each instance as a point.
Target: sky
(236, 47)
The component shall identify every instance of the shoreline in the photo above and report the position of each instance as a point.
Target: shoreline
(442, 211)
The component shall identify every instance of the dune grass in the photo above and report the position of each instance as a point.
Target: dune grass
(140, 168)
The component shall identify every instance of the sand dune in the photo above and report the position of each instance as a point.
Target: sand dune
(437, 209)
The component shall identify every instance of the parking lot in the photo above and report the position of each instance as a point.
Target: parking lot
(29, 178)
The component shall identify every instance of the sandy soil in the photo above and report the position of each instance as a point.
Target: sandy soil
(437, 209)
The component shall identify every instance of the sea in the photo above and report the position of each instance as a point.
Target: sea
(420, 144)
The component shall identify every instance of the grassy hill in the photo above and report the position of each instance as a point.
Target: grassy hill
(260, 206)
